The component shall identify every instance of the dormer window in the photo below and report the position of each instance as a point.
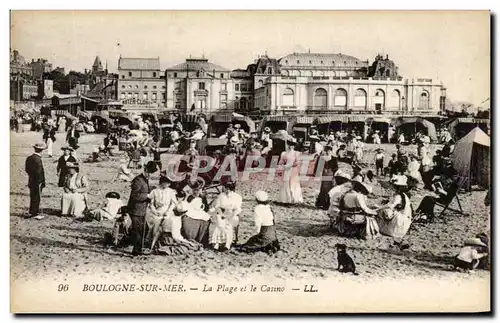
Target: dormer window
(269, 70)
(286, 62)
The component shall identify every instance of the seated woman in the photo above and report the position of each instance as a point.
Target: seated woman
(356, 218)
(74, 199)
(195, 223)
(110, 209)
(124, 173)
(265, 239)
(394, 218)
(171, 241)
(444, 195)
(414, 168)
(342, 186)
(227, 208)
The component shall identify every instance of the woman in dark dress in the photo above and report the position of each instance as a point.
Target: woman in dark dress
(266, 239)
(330, 166)
(61, 169)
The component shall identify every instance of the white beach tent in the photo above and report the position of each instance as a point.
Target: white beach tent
(471, 157)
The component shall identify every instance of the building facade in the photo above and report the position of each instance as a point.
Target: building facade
(337, 83)
(199, 86)
(141, 85)
(40, 66)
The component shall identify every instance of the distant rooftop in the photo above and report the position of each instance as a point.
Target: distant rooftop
(139, 63)
(197, 64)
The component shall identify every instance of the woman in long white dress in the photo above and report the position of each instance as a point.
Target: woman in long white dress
(290, 192)
(74, 199)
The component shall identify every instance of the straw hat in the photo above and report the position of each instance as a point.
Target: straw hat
(67, 148)
(40, 146)
(342, 174)
(475, 242)
(364, 187)
(261, 196)
(267, 129)
(399, 180)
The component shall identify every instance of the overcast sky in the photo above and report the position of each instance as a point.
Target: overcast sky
(452, 47)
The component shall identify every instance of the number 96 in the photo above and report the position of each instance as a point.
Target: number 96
(62, 287)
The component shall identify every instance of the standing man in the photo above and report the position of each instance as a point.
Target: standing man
(137, 205)
(36, 182)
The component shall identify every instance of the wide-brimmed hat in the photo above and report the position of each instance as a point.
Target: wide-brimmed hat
(72, 165)
(399, 180)
(475, 242)
(267, 129)
(261, 196)
(379, 149)
(367, 189)
(40, 146)
(67, 148)
(180, 209)
(237, 126)
(112, 195)
(234, 140)
(402, 153)
(358, 137)
(341, 174)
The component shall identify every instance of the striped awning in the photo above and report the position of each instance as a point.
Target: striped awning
(190, 118)
(278, 118)
(358, 118)
(61, 112)
(334, 118)
(84, 114)
(225, 118)
(305, 120)
(473, 120)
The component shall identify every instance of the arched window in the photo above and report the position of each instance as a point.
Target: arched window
(320, 98)
(423, 102)
(243, 103)
(340, 98)
(388, 73)
(261, 83)
(287, 99)
(360, 98)
(379, 100)
(395, 99)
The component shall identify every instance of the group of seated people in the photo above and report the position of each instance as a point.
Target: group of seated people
(180, 219)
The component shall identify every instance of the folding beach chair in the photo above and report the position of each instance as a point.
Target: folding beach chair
(453, 196)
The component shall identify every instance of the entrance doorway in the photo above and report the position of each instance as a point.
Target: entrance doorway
(378, 108)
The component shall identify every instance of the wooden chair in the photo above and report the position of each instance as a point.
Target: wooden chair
(453, 196)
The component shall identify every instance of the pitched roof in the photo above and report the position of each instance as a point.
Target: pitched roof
(139, 63)
(476, 135)
(97, 62)
(321, 60)
(198, 64)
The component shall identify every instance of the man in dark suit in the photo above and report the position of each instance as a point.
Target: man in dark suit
(137, 205)
(36, 182)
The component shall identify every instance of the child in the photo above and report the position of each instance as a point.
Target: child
(379, 162)
(124, 173)
(110, 209)
(265, 238)
(470, 254)
(393, 166)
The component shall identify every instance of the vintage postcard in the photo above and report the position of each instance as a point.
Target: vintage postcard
(250, 161)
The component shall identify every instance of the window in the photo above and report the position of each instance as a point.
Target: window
(154, 87)
(286, 62)
(261, 83)
(145, 86)
(360, 98)
(223, 105)
(395, 99)
(129, 95)
(379, 99)
(236, 87)
(333, 62)
(424, 101)
(198, 74)
(175, 74)
(130, 74)
(243, 87)
(154, 96)
(123, 86)
(223, 97)
(287, 98)
(223, 86)
(269, 70)
(201, 85)
(163, 87)
(243, 104)
(123, 76)
(136, 86)
(340, 98)
(298, 62)
(321, 62)
(122, 96)
(320, 98)
(388, 73)
(310, 62)
(221, 75)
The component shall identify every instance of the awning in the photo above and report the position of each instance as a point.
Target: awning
(190, 118)
(328, 119)
(84, 114)
(473, 120)
(277, 118)
(223, 118)
(117, 114)
(61, 112)
(378, 119)
(70, 116)
(305, 120)
(357, 118)
(300, 129)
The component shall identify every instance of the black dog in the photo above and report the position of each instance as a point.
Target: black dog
(346, 264)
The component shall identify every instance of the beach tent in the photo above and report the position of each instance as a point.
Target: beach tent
(471, 157)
